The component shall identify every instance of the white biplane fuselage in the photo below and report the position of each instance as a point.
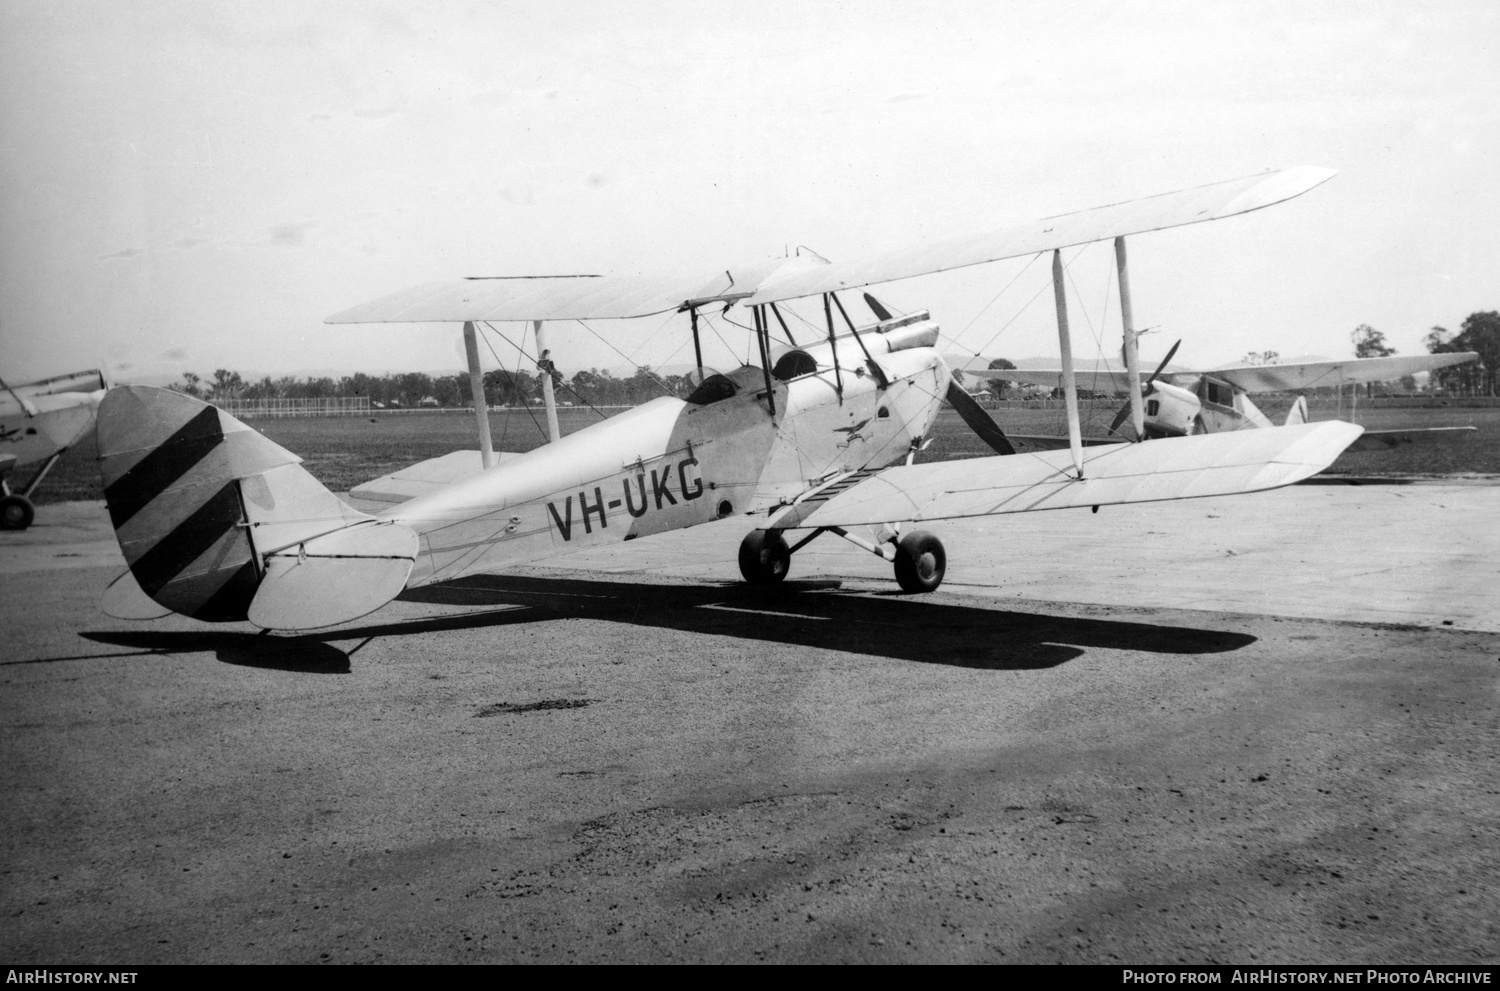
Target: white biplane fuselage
(674, 463)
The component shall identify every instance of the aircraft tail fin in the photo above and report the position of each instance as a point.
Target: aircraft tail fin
(1298, 412)
(220, 524)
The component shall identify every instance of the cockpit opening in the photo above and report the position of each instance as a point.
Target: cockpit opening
(794, 363)
(715, 387)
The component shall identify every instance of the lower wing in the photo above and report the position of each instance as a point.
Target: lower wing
(1178, 468)
(1385, 440)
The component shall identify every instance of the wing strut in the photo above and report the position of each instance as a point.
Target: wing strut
(875, 369)
(544, 365)
(1070, 389)
(476, 391)
(697, 346)
(784, 328)
(1132, 354)
(838, 376)
(763, 341)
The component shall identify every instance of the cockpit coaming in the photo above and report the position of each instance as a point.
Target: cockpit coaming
(835, 409)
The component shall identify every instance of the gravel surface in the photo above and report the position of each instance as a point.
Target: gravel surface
(579, 765)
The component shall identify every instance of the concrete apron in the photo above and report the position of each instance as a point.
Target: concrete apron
(1425, 554)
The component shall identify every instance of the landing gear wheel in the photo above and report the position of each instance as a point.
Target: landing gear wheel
(764, 557)
(16, 512)
(1196, 427)
(920, 562)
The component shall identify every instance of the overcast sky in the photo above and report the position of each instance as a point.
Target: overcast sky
(188, 186)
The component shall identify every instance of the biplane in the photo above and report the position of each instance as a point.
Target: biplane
(1181, 402)
(39, 421)
(817, 437)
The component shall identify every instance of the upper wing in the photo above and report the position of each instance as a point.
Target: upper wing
(599, 297)
(1179, 468)
(1187, 206)
(1314, 374)
(579, 297)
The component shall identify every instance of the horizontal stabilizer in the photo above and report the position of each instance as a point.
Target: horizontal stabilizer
(334, 578)
(423, 477)
(1176, 468)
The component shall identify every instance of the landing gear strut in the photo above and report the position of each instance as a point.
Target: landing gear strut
(918, 557)
(764, 557)
(16, 510)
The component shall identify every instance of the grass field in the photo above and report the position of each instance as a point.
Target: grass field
(345, 451)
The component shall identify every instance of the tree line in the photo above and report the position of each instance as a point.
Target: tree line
(410, 390)
(1480, 332)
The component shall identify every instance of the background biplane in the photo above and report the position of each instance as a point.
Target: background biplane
(39, 421)
(218, 523)
(1181, 402)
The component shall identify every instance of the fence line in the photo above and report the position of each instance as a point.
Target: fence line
(323, 406)
(361, 406)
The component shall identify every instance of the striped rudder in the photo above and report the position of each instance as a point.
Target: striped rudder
(206, 510)
(171, 466)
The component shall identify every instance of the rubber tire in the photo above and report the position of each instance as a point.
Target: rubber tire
(16, 512)
(765, 557)
(920, 562)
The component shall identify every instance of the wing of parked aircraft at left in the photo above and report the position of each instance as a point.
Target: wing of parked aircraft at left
(38, 422)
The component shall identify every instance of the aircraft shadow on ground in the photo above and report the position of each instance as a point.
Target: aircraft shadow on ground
(820, 615)
(311, 655)
(802, 614)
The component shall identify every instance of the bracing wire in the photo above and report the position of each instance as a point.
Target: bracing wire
(1034, 296)
(565, 384)
(751, 330)
(660, 327)
(984, 309)
(708, 318)
(668, 390)
(1094, 333)
(520, 356)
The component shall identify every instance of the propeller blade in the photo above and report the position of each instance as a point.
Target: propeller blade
(876, 307)
(978, 420)
(1164, 362)
(1124, 413)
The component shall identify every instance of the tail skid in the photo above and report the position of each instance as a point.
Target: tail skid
(220, 524)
